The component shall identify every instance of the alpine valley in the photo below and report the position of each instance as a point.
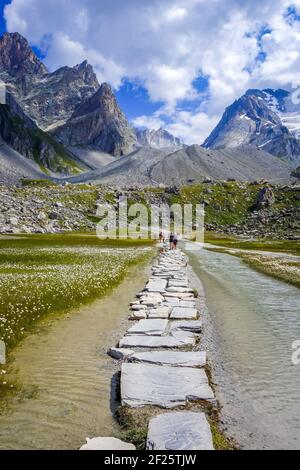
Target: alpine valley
(64, 123)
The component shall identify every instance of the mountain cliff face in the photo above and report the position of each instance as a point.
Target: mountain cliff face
(157, 139)
(259, 118)
(29, 141)
(99, 123)
(52, 100)
(68, 104)
(17, 57)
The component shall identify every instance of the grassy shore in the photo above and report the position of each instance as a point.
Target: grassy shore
(285, 269)
(280, 246)
(46, 274)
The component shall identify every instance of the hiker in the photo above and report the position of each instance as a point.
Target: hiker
(160, 237)
(171, 241)
(175, 241)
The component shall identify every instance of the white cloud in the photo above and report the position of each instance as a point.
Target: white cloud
(150, 122)
(167, 45)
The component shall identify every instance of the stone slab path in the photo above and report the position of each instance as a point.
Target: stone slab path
(164, 386)
(171, 358)
(162, 365)
(179, 431)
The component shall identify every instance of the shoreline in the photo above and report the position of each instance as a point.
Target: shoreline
(134, 420)
(84, 381)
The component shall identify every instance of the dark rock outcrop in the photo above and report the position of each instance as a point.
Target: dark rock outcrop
(34, 144)
(265, 199)
(100, 124)
(17, 57)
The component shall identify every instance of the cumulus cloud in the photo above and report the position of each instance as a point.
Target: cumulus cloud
(167, 45)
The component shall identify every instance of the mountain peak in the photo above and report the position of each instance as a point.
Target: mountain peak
(103, 98)
(86, 71)
(99, 124)
(17, 58)
(260, 118)
(157, 138)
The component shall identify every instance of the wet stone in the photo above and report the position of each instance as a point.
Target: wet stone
(192, 325)
(120, 354)
(168, 387)
(177, 339)
(160, 312)
(171, 358)
(184, 430)
(155, 327)
(184, 313)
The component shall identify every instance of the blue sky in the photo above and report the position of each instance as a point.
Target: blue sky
(176, 63)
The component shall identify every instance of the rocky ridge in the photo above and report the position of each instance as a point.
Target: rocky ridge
(255, 119)
(256, 209)
(157, 139)
(98, 123)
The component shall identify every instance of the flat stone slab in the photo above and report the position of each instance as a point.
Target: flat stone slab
(171, 358)
(173, 301)
(187, 303)
(138, 315)
(177, 339)
(156, 286)
(168, 387)
(184, 430)
(173, 283)
(187, 325)
(184, 313)
(180, 290)
(106, 443)
(179, 295)
(160, 312)
(137, 307)
(119, 353)
(155, 327)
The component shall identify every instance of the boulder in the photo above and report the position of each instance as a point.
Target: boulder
(265, 199)
(119, 353)
(106, 443)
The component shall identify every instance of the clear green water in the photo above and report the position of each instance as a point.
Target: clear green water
(66, 362)
(253, 321)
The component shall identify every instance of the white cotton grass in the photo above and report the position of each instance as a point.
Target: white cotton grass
(36, 281)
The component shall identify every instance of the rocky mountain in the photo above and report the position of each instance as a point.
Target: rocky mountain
(17, 58)
(99, 124)
(152, 167)
(158, 139)
(29, 141)
(69, 100)
(266, 119)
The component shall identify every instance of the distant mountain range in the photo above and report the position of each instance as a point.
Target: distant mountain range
(267, 119)
(64, 123)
